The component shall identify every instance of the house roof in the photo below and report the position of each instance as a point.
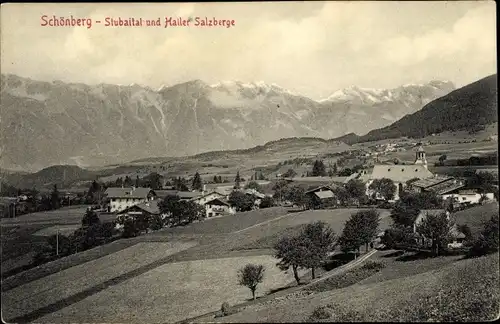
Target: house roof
(254, 192)
(149, 207)
(208, 194)
(429, 182)
(128, 192)
(217, 201)
(399, 173)
(324, 194)
(320, 188)
(446, 187)
(181, 194)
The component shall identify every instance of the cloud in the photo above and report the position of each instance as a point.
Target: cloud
(312, 48)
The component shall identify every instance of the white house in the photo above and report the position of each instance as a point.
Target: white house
(122, 198)
(217, 207)
(467, 197)
(208, 197)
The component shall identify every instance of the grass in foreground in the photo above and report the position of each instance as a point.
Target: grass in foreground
(464, 290)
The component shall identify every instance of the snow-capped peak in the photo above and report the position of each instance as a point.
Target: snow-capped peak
(261, 85)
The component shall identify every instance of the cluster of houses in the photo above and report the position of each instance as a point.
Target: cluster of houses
(136, 201)
(414, 177)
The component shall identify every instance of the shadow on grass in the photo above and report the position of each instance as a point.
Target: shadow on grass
(338, 260)
(415, 256)
(393, 254)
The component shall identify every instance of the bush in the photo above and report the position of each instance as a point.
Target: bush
(320, 313)
(373, 265)
(225, 309)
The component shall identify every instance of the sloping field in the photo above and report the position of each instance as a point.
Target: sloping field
(265, 234)
(463, 290)
(173, 292)
(72, 215)
(48, 290)
(230, 223)
(61, 229)
(475, 217)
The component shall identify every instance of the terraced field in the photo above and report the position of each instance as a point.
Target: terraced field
(173, 292)
(49, 290)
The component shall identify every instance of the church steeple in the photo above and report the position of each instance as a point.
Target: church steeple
(420, 156)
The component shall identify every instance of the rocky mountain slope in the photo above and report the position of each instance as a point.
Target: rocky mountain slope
(47, 123)
(470, 108)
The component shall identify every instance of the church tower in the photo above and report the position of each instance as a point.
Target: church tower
(420, 156)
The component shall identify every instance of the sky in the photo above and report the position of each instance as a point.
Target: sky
(312, 48)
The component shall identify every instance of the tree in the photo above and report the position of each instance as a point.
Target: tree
(237, 181)
(290, 173)
(442, 158)
(404, 215)
(119, 182)
(54, 198)
(180, 184)
(356, 189)
(384, 187)
(396, 236)
(155, 180)
(250, 276)
(488, 240)
(180, 211)
(127, 182)
(90, 218)
(320, 240)
(291, 252)
(369, 220)
(137, 182)
(436, 228)
(297, 195)
(345, 172)
(280, 189)
(197, 182)
(341, 194)
(241, 201)
(319, 169)
(266, 202)
(253, 185)
(335, 169)
(351, 238)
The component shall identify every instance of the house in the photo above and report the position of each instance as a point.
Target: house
(466, 197)
(122, 198)
(457, 237)
(183, 195)
(322, 197)
(438, 184)
(398, 173)
(147, 208)
(423, 214)
(208, 197)
(217, 207)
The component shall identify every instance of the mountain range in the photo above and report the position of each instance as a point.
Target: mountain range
(468, 108)
(49, 123)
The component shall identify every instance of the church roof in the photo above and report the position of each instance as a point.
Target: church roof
(399, 173)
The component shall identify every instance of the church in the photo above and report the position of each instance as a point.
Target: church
(399, 174)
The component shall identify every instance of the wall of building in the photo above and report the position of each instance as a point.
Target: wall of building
(467, 198)
(215, 210)
(119, 204)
